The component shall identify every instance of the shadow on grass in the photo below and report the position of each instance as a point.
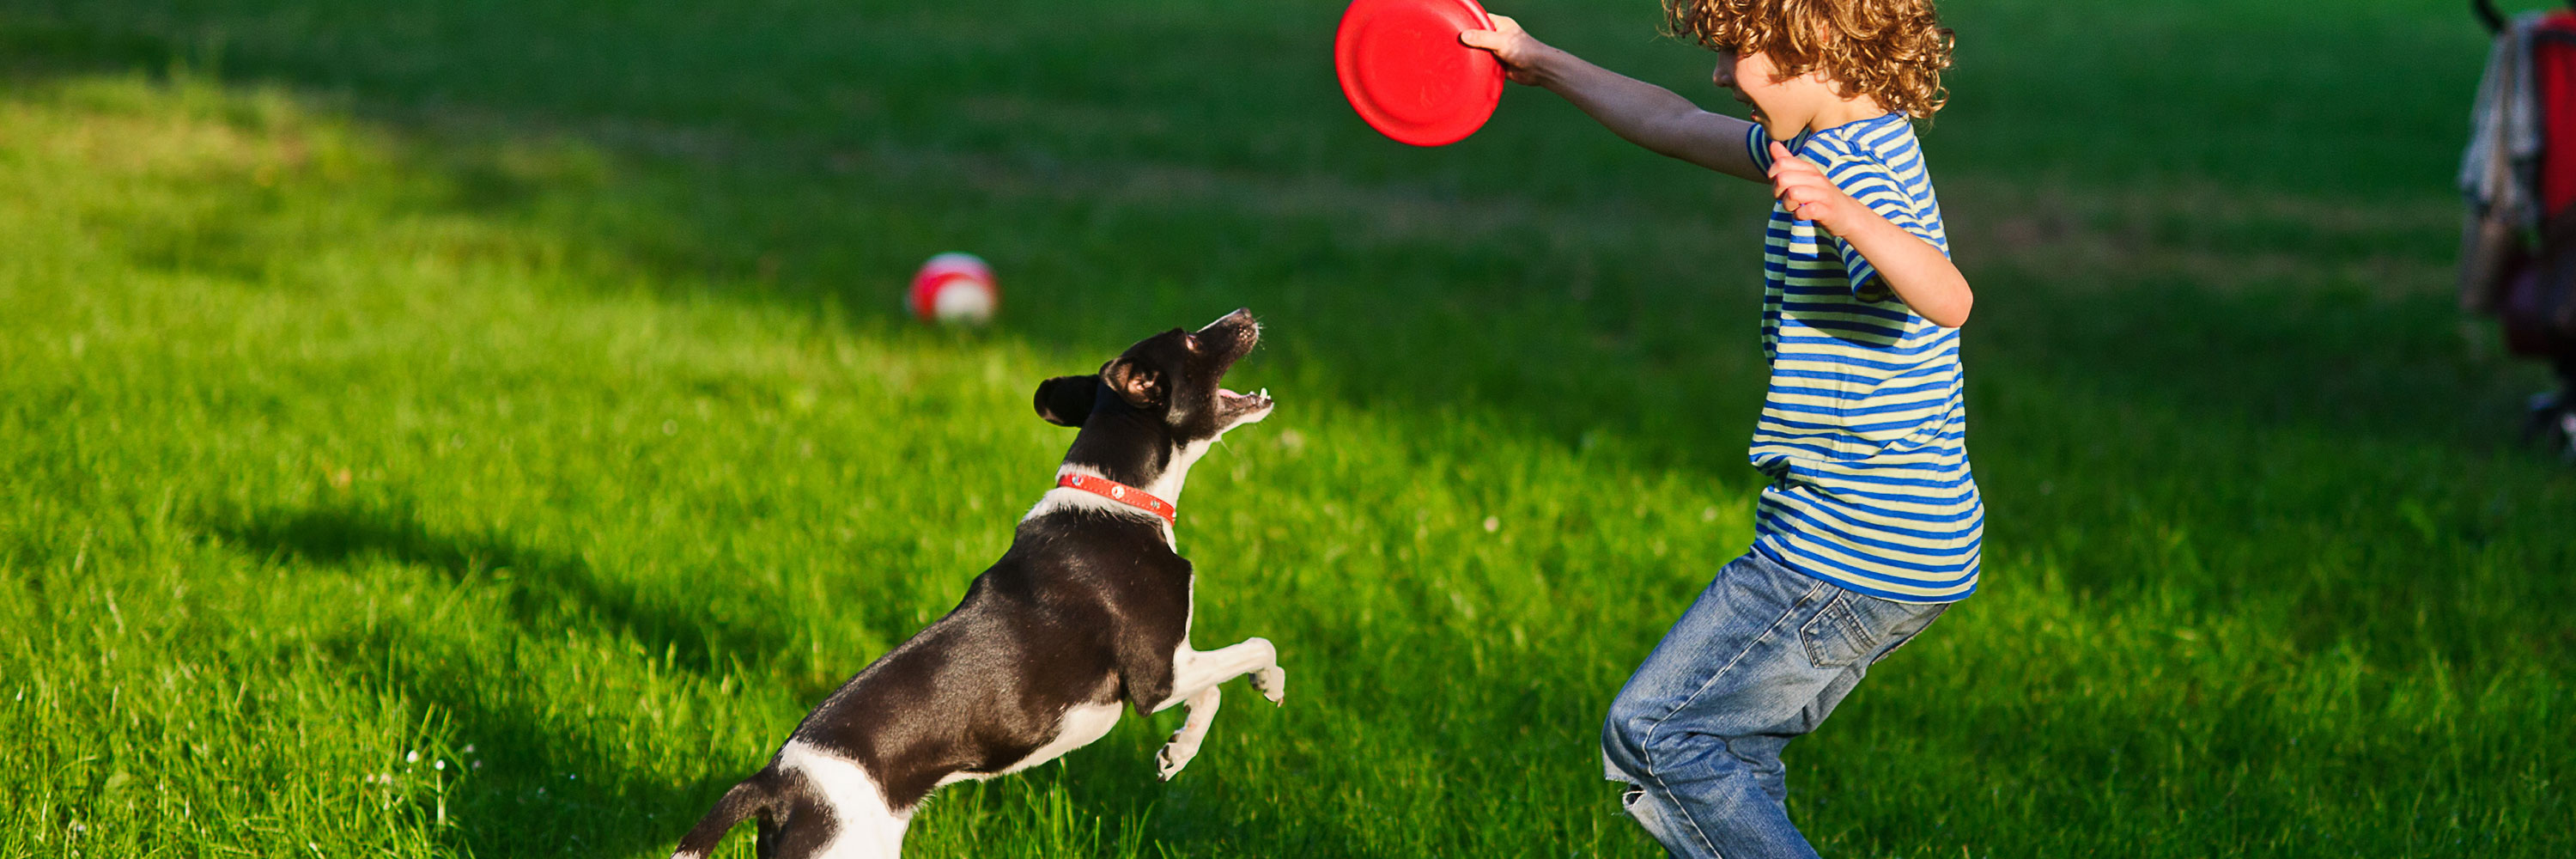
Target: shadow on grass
(544, 777)
(547, 593)
(1207, 809)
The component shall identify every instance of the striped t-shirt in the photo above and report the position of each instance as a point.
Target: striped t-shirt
(1864, 432)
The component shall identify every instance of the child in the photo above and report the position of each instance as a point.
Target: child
(1870, 525)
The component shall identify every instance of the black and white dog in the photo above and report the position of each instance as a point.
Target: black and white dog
(1087, 614)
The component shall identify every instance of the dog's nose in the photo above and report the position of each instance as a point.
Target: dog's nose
(1240, 316)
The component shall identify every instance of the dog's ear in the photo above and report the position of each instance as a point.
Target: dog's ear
(1141, 387)
(1065, 400)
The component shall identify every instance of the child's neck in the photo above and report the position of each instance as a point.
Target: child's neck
(1844, 111)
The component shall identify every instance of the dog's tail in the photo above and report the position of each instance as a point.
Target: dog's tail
(751, 797)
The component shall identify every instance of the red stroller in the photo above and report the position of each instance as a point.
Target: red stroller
(2518, 257)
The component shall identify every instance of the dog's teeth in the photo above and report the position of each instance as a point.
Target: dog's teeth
(1265, 393)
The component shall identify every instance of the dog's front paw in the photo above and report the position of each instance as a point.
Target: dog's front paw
(1174, 756)
(1272, 683)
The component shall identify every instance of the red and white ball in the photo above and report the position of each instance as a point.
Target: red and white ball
(954, 288)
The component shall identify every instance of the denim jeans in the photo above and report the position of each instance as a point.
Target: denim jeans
(1760, 658)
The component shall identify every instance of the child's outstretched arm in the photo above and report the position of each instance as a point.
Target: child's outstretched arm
(1914, 269)
(1645, 114)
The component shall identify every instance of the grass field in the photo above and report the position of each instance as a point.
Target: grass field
(472, 427)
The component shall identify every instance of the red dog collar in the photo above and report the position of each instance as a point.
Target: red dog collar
(1121, 493)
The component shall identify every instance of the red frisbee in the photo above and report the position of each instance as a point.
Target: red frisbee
(1405, 72)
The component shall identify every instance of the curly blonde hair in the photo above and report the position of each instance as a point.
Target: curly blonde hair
(1889, 50)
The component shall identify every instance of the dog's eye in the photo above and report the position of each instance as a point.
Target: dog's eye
(1190, 340)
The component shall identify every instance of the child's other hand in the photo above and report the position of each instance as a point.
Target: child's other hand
(1809, 196)
(1520, 54)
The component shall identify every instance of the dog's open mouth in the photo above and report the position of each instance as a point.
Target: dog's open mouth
(1233, 408)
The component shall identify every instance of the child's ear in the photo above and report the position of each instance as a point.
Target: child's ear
(1066, 400)
(1141, 387)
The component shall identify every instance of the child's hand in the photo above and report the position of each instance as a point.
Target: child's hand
(1519, 53)
(1803, 188)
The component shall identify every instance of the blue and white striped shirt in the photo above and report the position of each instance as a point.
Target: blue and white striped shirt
(1864, 431)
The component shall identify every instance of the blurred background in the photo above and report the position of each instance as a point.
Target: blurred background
(484, 428)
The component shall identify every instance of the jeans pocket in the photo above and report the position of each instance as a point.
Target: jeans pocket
(1835, 637)
(1913, 626)
(1858, 628)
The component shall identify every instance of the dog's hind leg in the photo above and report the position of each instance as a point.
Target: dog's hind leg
(1185, 742)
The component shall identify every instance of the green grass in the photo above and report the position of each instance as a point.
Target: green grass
(484, 428)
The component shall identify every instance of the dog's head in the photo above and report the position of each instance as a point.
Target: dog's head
(1159, 401)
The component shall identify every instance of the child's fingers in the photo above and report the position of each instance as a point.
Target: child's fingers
(1508, 43)
(1786, 167)
(1782, 158)
(1788, 183)
(1501, 35)
(1801, 196)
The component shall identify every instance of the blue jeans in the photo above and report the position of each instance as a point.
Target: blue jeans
(1760, 658)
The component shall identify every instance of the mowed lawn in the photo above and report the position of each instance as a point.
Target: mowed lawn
(484, 428)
